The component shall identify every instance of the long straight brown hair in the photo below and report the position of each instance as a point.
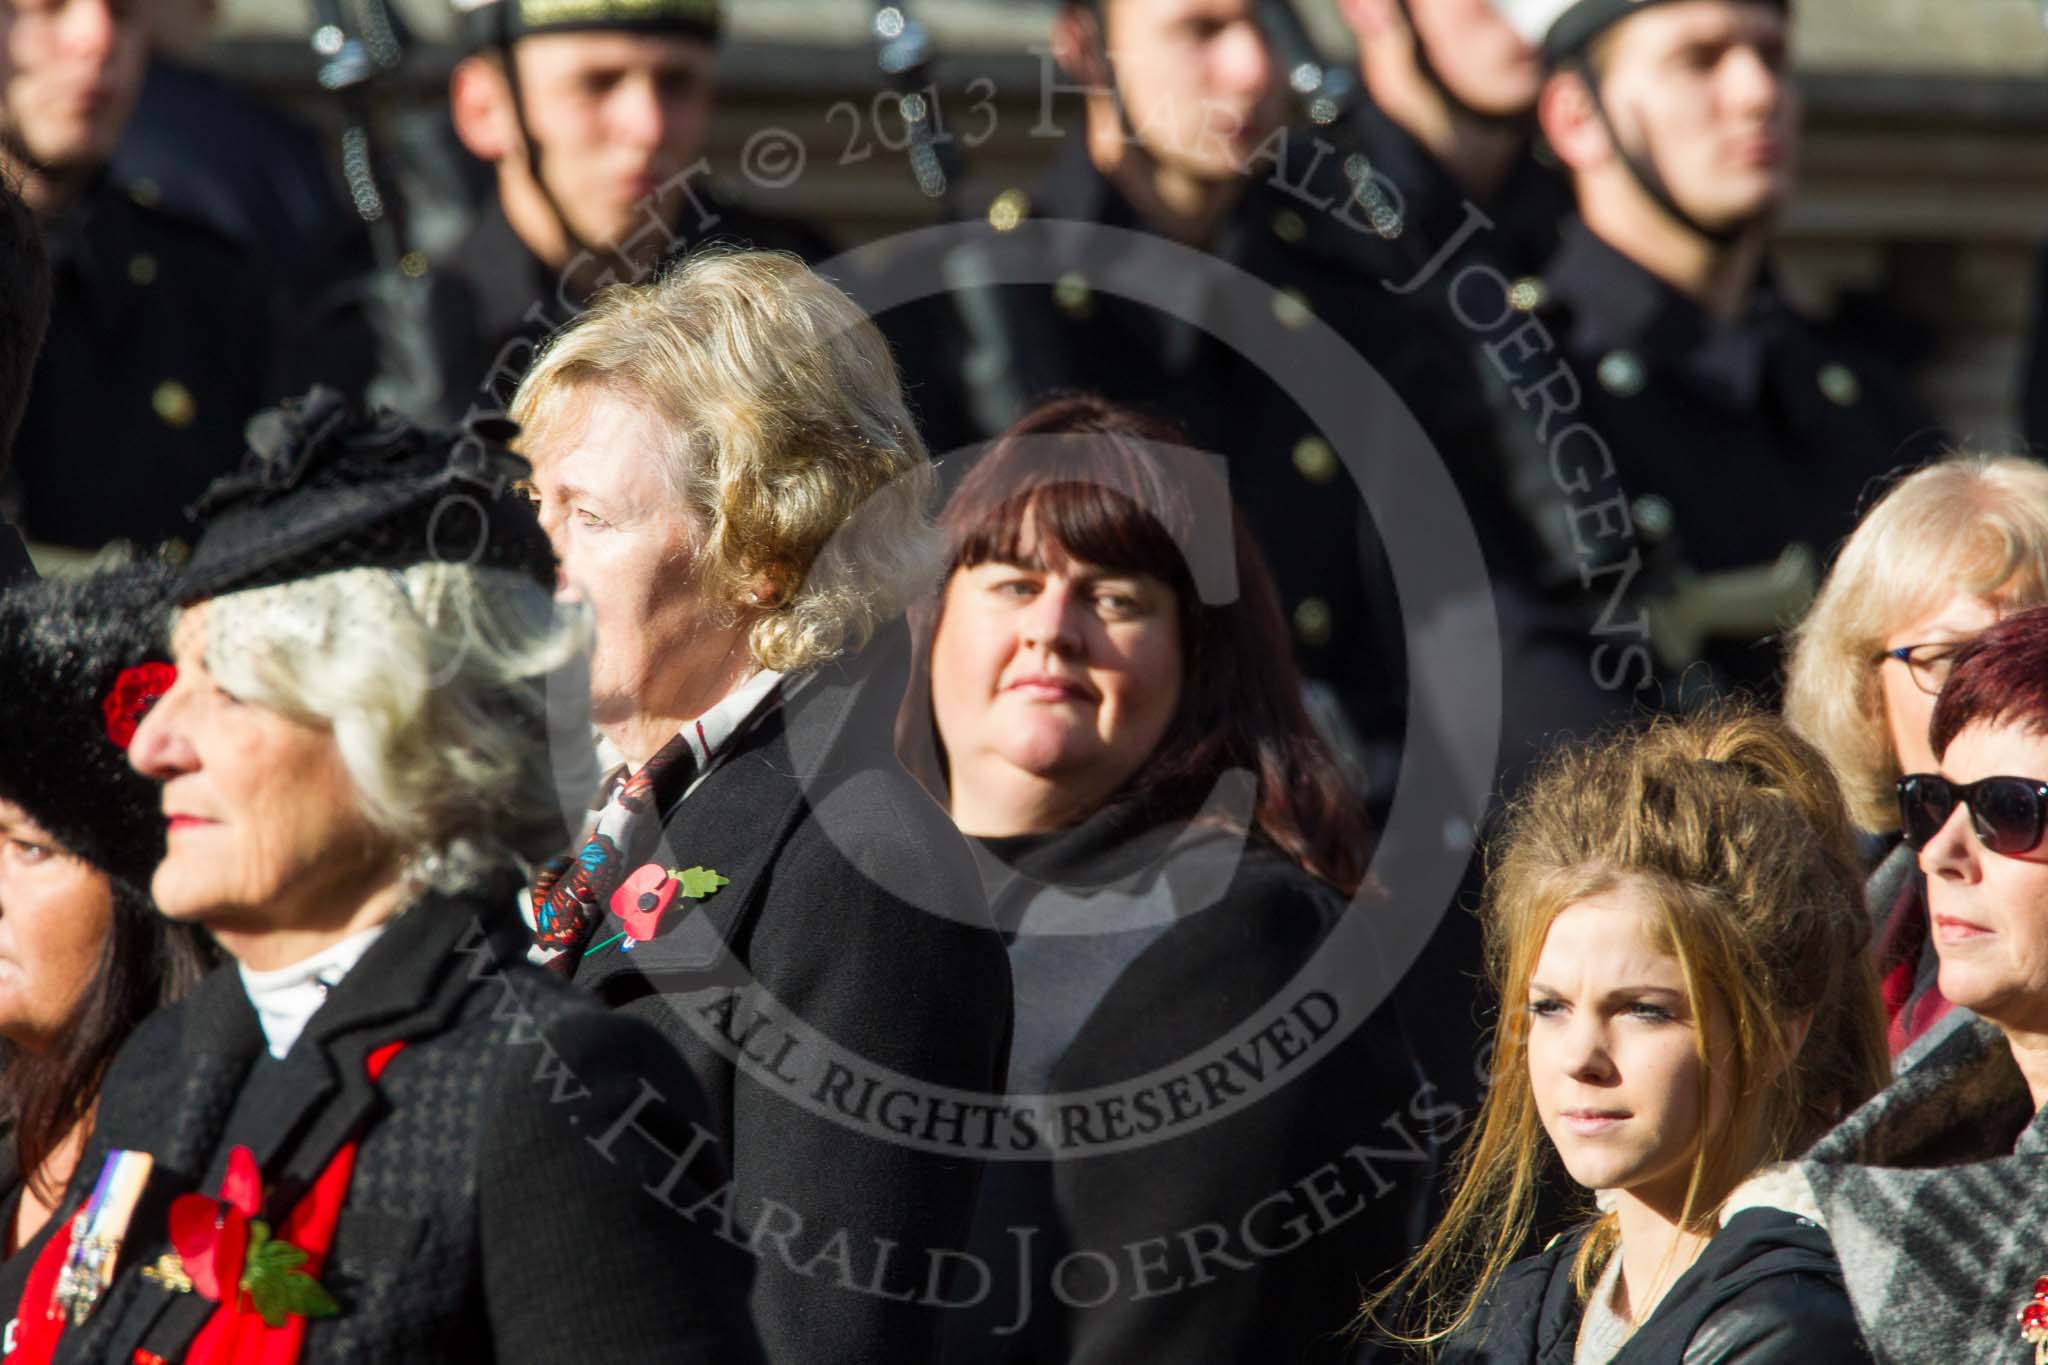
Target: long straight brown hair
(1115, 494)
(145, 963)
(1735, 829)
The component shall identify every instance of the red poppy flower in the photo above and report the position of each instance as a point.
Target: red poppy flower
(133, 693)
(212, 1235)
(641, 900)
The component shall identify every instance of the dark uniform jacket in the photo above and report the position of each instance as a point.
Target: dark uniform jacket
(499, 1206)
(491, 301)
(1766, 1291)
(1690, 479)
(161, 346)
(1525, 210)
(848, 967)
(210, 152)
(1137, 945)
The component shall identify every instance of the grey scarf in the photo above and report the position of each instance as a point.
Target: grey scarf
(1936, 1196)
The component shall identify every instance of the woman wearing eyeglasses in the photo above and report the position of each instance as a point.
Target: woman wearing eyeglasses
(1936, 1192)
(1947, 551)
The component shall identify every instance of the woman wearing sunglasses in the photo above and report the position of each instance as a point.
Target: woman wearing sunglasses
(1936, 1192)
(1947, 551)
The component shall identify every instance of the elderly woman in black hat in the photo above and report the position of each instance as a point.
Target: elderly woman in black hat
(84, 957)
(380, 1134)
(727, 469)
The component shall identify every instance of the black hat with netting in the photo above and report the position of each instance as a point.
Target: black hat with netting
(328, 484)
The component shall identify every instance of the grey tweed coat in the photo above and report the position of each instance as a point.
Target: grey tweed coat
(1936, 1195)
(499, 1208)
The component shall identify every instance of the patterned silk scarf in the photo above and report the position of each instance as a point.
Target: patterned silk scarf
(569, 894)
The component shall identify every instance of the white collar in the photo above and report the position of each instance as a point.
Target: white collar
(712, 731)
(709, 733)
(286, 997)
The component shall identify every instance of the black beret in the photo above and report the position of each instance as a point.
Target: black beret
(491, 22)
(329, 485)
(82, 659)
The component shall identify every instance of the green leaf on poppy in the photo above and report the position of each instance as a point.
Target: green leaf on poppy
(309, 1298)
(276, 1286)
(275, 1256)
(699, 882)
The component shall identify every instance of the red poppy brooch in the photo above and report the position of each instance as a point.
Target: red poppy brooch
(225, 1252)
(2034, 1321)
(645, 896)
(134, 691)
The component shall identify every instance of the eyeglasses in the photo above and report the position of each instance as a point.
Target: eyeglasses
(1928, 663)
(2007, 812)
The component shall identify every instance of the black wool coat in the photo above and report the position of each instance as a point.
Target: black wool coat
(1766, 1291)
(841, 987)
(1267, 1182)
(498, 1209)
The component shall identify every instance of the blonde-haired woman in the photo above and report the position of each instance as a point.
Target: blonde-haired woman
(725, 465)
(1948, 550)
(1675, 933)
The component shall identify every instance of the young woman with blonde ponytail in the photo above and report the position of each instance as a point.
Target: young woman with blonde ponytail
(1675, 930)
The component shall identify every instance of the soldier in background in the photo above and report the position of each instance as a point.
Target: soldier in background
(205, 149)
(161, 341)
(1701, 447)
(1447, 114)
(593, 115)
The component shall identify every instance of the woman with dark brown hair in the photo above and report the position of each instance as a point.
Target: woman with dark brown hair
(84, 955)
(1107, 708)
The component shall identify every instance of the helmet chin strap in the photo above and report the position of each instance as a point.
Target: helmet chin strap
(1642, 168)
(504, 44)
(1516, 122)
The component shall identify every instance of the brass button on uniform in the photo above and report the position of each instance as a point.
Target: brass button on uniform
(1654, 517)
(142, 268)
(1527, 294)
(1072, 294)
(1007, 209)
(1315, 460)
(1289, 227)
(173, 403)
(1621, 373)
(1312, 621)
(1841, 385)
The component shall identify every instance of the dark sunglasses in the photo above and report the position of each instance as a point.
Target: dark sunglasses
(2008, 813)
